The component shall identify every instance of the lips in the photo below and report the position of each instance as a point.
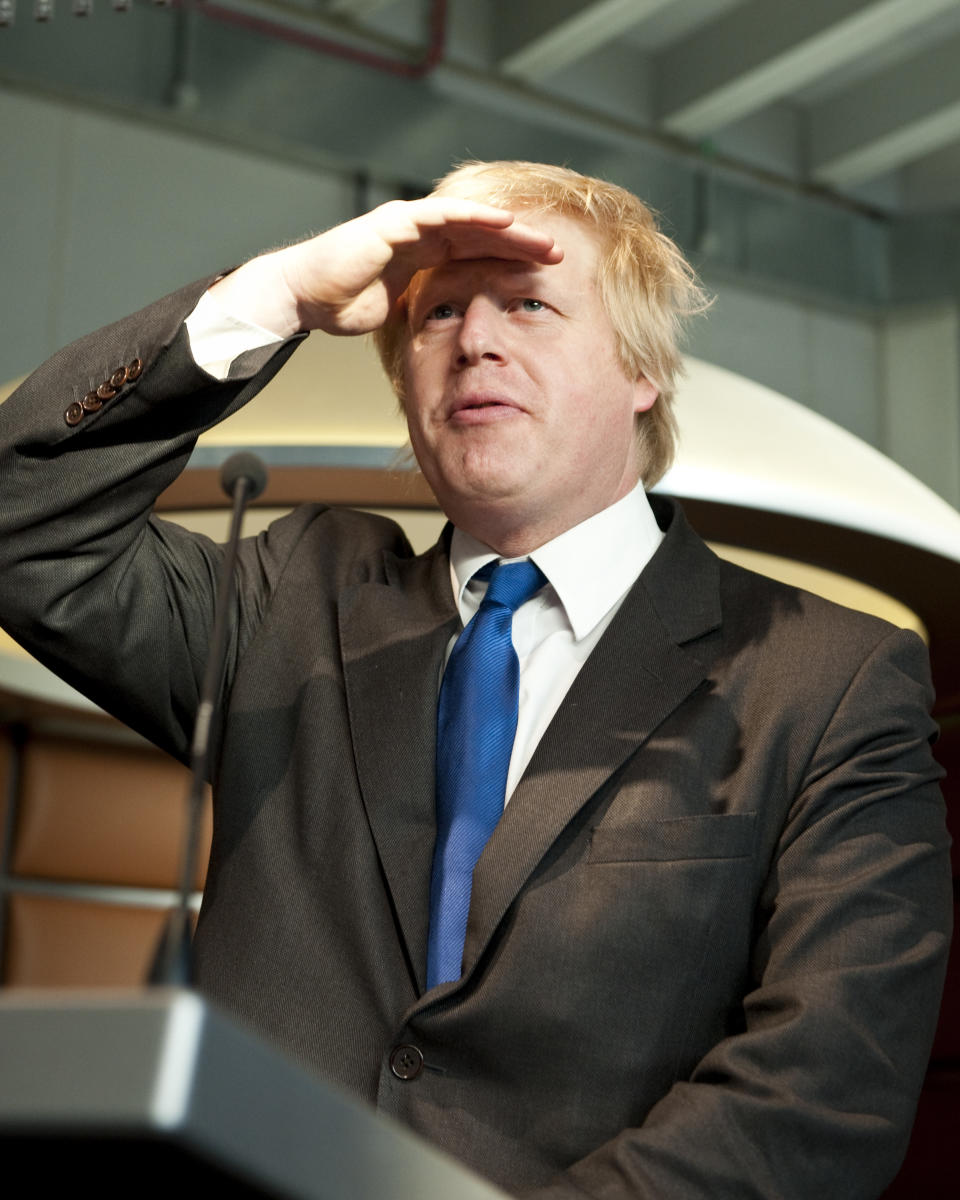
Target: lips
(478, 405)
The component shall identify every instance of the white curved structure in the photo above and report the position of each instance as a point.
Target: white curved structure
(742, 443)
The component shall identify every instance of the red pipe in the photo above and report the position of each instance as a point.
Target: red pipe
(323, 45)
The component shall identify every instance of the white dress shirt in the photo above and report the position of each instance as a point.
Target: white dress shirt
(589, 568)
(218, 336)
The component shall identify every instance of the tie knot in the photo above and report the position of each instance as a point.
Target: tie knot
(512, 584)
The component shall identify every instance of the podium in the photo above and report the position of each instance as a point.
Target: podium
(149, 1092)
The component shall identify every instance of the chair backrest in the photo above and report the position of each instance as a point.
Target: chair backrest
(90, 858)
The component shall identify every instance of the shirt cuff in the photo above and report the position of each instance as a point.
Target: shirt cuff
(217, 336)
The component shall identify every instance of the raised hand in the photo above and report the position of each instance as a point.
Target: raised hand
(345, 281)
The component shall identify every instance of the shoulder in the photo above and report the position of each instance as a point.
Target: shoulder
(747, 593)
(765, 624)
(834, 679)
(339, 545)
(747, 596)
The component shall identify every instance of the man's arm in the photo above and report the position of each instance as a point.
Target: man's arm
(813, 1091)
(112, 599)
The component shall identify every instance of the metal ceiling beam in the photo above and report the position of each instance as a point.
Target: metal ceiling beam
(892, 118)
(538, 40)
(932, 184)
(355, 8)
(766, 49)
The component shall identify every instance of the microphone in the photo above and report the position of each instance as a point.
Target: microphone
(247, 466)
(243, 477)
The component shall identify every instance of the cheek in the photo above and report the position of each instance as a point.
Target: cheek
(421, 430)
(423, 373)
(411, 391)
(414, 418)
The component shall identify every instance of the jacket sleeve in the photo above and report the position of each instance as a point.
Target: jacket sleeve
(814, 1090)
(115, 601)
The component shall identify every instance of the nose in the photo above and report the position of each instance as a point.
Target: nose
(480, 336)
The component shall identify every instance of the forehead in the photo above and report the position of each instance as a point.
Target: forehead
(578, 269)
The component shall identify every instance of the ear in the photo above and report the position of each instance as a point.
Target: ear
(644, 394)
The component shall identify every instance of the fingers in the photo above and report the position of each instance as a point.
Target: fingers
(346, 280)
(427, 232)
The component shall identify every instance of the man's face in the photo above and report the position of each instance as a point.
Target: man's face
(520, 414)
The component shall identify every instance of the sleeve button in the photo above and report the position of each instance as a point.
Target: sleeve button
(91, 402)
(134, 369)
(106, 392)
(74, 414)
(118, 378)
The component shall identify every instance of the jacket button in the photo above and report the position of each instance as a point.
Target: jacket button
(118, 378)
(106, 392)
(91, 402)
(74, 414)
(406, 1062)
(134, 368)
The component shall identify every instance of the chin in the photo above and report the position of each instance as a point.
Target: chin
(482, 472)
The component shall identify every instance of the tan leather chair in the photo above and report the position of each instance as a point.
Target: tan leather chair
(93, 831)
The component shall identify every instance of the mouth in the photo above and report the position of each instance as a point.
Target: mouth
(479, 408)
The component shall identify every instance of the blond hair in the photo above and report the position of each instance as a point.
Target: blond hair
(646, 286)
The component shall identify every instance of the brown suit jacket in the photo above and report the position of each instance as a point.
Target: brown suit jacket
(707, 939)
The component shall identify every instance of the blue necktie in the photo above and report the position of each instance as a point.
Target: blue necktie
(476, 726)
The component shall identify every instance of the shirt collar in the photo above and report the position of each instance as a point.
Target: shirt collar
(590, 566)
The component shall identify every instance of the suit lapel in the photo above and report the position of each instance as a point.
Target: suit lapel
(393, 638)
(640, 671)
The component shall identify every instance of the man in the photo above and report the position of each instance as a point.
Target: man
(706, 937)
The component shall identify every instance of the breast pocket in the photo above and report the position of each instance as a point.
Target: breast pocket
(672, 839)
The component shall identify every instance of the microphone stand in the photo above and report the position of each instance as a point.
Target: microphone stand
(243, 477)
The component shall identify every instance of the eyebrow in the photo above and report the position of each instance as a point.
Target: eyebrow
(447, 276)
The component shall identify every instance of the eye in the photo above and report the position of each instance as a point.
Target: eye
(441, 312)
(529, 304)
